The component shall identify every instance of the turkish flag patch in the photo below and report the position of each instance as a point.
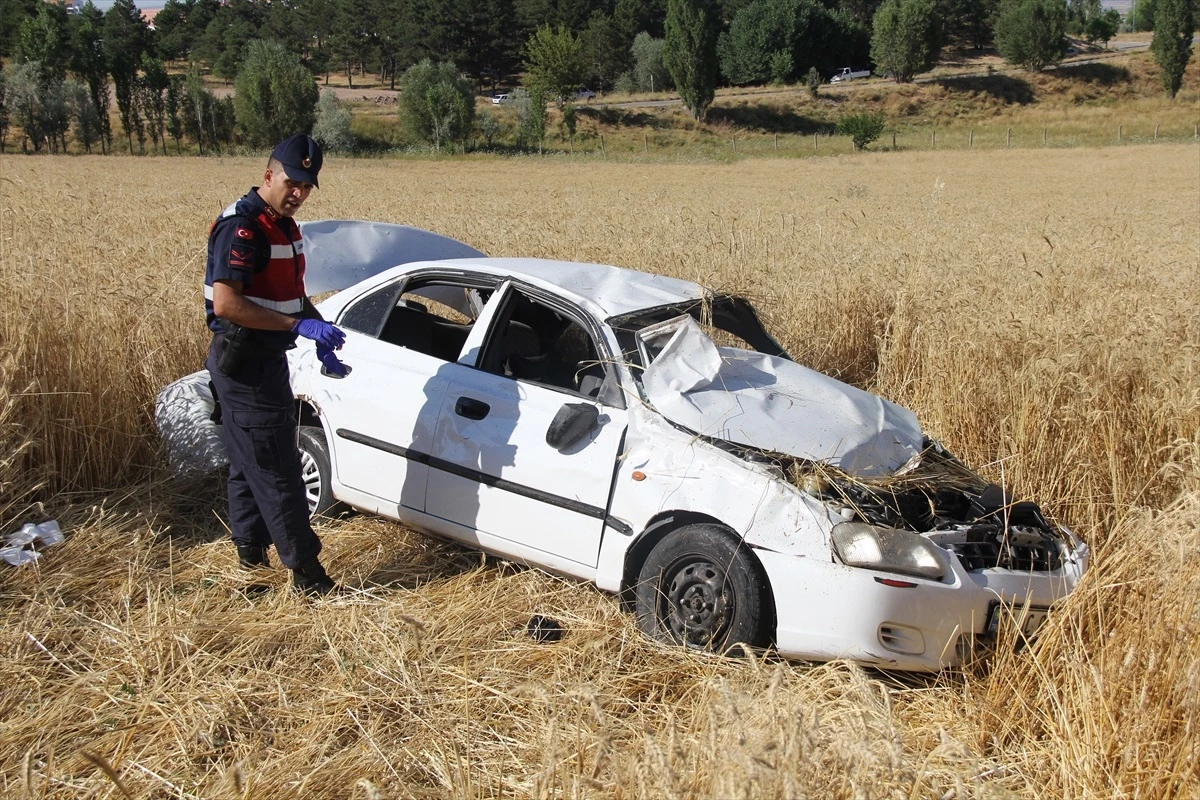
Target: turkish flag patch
(243, 233)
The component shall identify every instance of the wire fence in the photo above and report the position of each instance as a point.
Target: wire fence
(665, 143)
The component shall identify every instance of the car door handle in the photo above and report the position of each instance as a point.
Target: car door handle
(329, 374)
(471, 409)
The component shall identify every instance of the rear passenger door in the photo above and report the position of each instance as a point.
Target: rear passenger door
(401, 343)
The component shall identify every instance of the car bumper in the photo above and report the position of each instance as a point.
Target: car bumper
(827, 611)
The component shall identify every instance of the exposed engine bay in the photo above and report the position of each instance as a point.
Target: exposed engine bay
(941, 498)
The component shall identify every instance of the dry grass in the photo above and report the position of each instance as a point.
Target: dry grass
(1037, 308)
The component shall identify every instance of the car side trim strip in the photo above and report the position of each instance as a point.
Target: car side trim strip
(489, 480)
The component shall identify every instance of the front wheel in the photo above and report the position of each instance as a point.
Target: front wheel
(315, 471)
(701, 588)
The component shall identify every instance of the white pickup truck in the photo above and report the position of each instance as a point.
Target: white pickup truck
(847, 74)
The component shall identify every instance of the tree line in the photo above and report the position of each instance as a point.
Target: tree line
(275, 51)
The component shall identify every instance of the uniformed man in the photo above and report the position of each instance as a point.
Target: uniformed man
(256, 306)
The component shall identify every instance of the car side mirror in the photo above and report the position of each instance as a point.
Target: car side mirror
(572, 422)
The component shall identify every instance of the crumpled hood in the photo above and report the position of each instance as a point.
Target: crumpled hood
(774, 404)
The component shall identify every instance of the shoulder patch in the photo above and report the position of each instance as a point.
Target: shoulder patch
(244, 233)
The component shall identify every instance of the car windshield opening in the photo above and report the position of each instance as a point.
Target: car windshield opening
(728, 320)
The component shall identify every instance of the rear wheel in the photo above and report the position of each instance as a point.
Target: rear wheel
(701, 588)
(315, 471)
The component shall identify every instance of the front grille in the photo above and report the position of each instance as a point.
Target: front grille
(989, 553)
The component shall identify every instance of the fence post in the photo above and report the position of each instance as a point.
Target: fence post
(733, 143)
(603, 152)
(645, 143)
(971, 140)
(1008, 138)
(1043, 137)
(1120, 132)
(814, 140)
(893, 140)
(777, 141)
(933, 140)
(1156, 133)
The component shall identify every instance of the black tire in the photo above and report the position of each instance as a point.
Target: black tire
(315, 471)
(701, 587)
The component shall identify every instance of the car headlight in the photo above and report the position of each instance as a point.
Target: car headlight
(861, 545)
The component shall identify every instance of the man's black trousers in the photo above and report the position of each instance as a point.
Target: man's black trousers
(258, 423)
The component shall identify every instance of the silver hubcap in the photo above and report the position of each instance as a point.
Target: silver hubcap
(311, 476)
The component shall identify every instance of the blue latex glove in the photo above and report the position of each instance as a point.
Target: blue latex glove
(321, 332)
(331, 362)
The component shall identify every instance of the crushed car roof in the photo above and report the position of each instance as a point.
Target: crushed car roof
(342, 253)
(610, 291)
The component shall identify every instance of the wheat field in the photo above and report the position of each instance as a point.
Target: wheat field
(1038, 309)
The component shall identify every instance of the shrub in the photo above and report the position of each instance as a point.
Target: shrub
(813, 80)
(488, 125)
(332, 128)
(862, 128)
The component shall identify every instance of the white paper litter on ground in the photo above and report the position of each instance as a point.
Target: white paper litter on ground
(17, 548)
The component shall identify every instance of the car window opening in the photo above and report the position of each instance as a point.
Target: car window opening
(433, 317)
(546, 347)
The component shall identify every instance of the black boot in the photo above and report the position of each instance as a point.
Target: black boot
(252, 556)
(311, 579)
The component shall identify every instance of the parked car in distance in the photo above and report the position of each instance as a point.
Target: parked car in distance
(583, 419)
(497, 99)
(584, 93)
(847, 74)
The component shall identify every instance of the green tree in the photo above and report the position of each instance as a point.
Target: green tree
(13, 14)
(555, 63)
(606, 50)
(85, 122)
(648, 74)
(436, 103)
(968, 21)
(488, 125)
(45, 45)
(1141, 15)
(1032, 33)
(24, 102)
(906, 38)
(350, 39)
(1174, 24)
(332, 128)
(45, 38)
(690, 52)
(175, 100)
(635, 16)
(780, 40)
(153, 98)
(531, 117)
(196, 108)
(862, 128)
(1102, 27)
(3, 110)
(90, 65)
(231, 29)
(274, 94)
(170, 28)
(125, 39)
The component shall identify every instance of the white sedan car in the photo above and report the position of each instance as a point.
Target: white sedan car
(646, 434)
